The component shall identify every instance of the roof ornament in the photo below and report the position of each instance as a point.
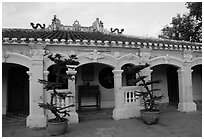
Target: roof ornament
(37, 25)
(56, 24)
(76, 26)
(116, 29)
(97, 25)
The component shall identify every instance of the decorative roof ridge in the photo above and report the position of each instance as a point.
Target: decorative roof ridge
(144, 40)
(159, 39)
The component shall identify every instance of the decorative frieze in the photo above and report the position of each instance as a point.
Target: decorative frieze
(132, 44)
(113, 43)
(23, 40)
(160, 46)
(106, 43)
(127, 44)
(77, 41)
(95, 55)
(92, 43)
(187, 55)
(62, 41)
(85, 42)
(14, 40)
(120, 43)
(99, 43)
(70, 42)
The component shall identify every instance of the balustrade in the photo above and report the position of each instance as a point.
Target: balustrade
(63, 102)
(129, 97)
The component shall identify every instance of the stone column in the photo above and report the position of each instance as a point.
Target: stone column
(36, 116)
(186, 103)
(73, 118)
(118, 111)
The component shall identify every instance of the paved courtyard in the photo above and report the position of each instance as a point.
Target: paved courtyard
(100, 124)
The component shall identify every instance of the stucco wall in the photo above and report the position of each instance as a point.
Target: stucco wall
(107, 95)
(159, 73)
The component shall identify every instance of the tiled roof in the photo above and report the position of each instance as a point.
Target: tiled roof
(66, 35)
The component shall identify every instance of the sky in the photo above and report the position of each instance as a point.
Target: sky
(136, 18)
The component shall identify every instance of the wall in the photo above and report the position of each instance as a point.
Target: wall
(197, 83)
(159, 73)
(107, 95)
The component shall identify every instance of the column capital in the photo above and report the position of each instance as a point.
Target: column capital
(117, 73)
(30, 74)
(72, 72)
(45, 72)
(71, 67)
(179, 71)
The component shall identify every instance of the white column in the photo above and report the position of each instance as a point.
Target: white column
(118, 111)
(36, 116)
(73, 118)
(186, 103)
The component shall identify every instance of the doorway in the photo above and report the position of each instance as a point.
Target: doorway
(94, 91)
(173, 89)
(18, 89)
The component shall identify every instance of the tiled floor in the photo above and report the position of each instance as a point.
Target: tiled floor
(93, 114)
(100, 124)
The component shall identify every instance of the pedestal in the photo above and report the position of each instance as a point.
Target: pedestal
(36, 121)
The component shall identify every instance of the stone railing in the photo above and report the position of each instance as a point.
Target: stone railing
(129, 97)
(61, 102)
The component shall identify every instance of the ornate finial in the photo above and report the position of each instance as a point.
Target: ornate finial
(76, 26)
(56, 24)
(37, 25)
(116, 29)
(97, 25)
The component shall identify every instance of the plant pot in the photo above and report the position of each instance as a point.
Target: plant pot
(150, 117)
(57, 128)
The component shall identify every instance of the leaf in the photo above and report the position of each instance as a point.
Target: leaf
(150, 82)
(136, 69)
(141, 93)
(154, 90)
(137, 80)
(157, 97)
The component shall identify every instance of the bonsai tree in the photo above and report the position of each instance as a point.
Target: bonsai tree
(59, 112)
(147, 94)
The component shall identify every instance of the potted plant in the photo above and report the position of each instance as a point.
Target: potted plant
(58, 124)
(150, 115)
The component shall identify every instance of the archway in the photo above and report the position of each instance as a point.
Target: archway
(15, 88)
(197, 85)
(169, 86)
(57, 74)
(94, 90)
(127, 77)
